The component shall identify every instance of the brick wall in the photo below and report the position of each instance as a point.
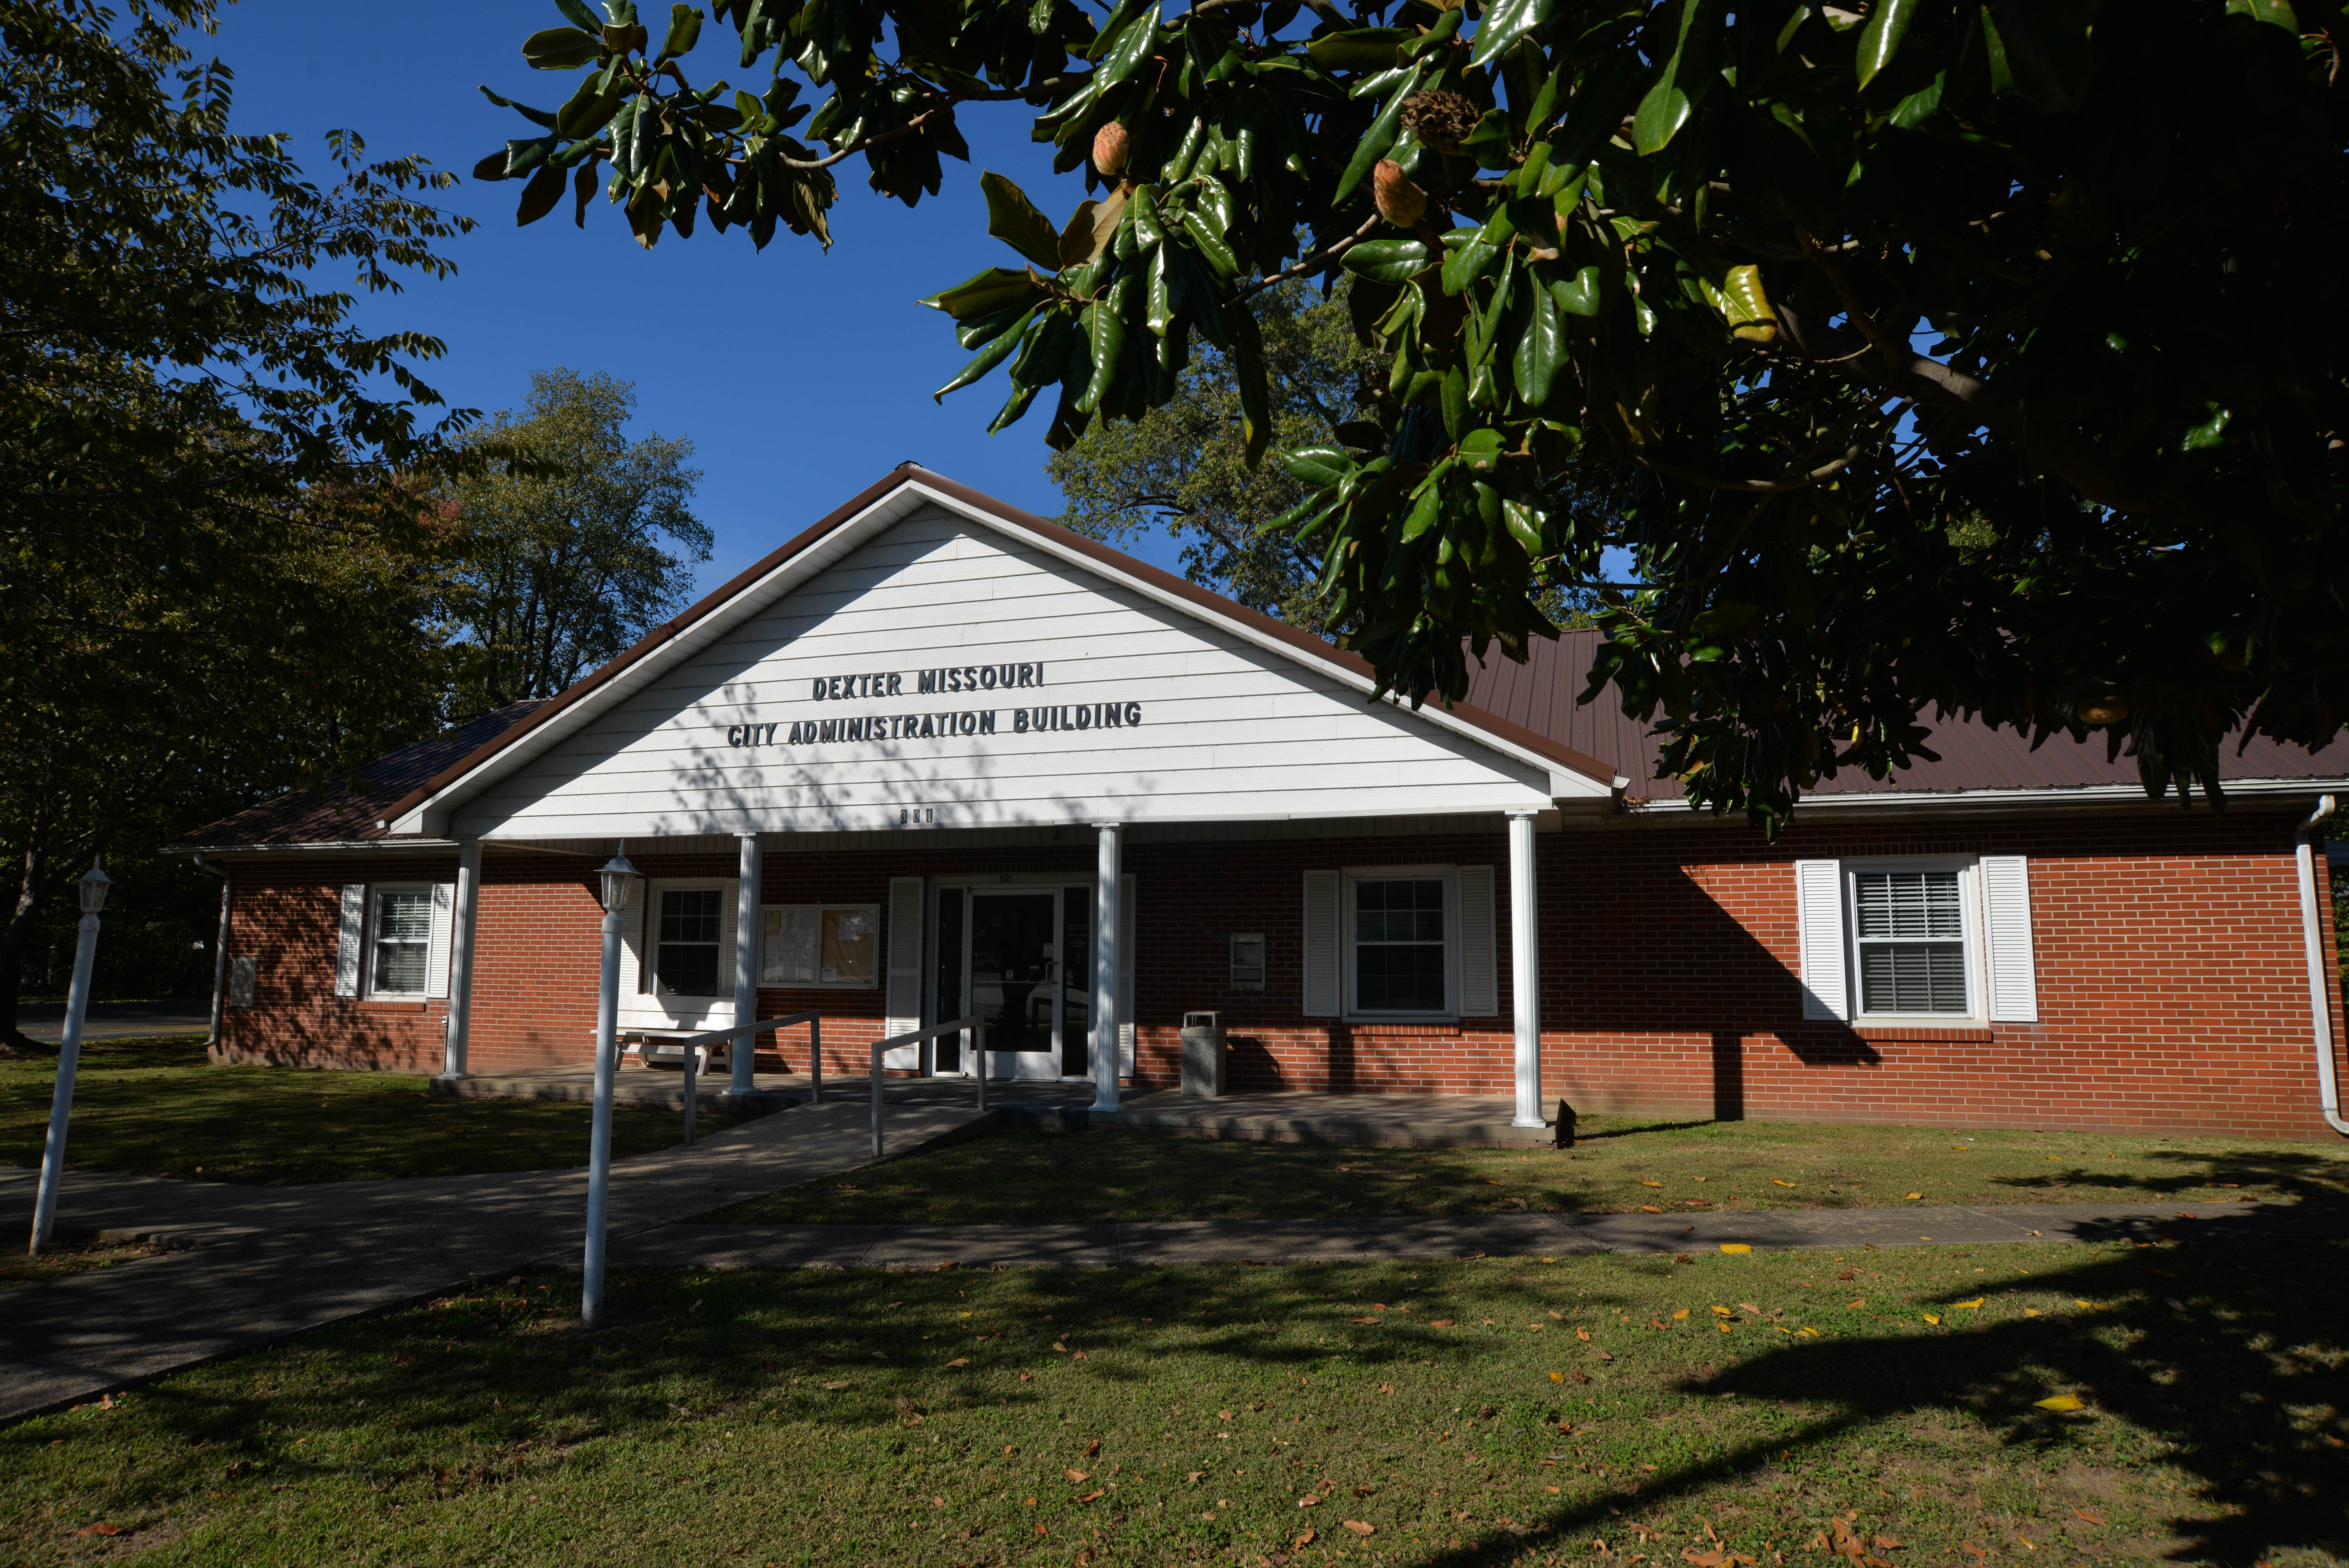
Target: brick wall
(2172, 992)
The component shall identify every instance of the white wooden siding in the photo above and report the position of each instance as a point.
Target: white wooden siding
(1227, 731)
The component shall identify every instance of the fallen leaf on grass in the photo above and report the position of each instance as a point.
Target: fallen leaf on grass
(2091, 1518)
(1308, 1502)
(1440, 1322)
(1912, 1194)
(1735, 1247)
(1079, 1475)
(1651, 1183)
(1887, 1544)
(1366, 1320)
(1386, 1388)
(1681, 1315)
(1854, 1304)
(1705, 1559)
(1649, 1208)
(959, 1361)
(1092, 1448)
(1358, 1527)
(1774, 1182)
(836, 1387)
(1304, 1538)
(1928, 1317)
(101, 1528)
(2058, 1402)
(1583, 1334)
(1975, 1549)
(1091, 1496)
(1557, 1377)
(1195, 1477)
(1968, 1305)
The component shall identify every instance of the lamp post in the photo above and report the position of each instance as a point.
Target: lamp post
(92, 888)
(619, 879)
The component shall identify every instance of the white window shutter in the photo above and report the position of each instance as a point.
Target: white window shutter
(1125, 975)
(436, 958)
(1480, 975)
(641, 903)
(2006, 931)
(1819, 905)
(1321, 944)
(904, 995)
(351, 943)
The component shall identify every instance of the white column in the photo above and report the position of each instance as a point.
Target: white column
(746, 964)
(1524, 971)
(461, 959)
(1104, 1008)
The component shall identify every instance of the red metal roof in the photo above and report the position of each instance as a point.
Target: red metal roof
(339, 813)
(1540, 696)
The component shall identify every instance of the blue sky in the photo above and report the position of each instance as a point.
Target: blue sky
(800, 376)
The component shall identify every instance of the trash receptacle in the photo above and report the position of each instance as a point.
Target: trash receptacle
(1203, 1055)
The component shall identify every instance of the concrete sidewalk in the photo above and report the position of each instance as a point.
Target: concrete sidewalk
(45, 1021)
(254, 1264)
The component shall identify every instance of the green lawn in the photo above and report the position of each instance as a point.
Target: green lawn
(1620, 1166)
(154, 1107)
(1455, 1412)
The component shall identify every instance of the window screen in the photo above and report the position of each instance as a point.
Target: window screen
(1911, 930)
(403, 940)
(687, 961)
(1399, 945)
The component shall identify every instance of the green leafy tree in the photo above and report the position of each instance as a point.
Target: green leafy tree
(571, 554)
(1920, 356)
(217, 575)
(1183, 467)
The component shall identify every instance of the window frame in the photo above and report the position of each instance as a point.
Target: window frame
(371, 938)
(880, 946)
(653, 986)
(1349, 879)
(1970, 928)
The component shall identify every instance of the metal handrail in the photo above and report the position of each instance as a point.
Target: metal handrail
(916, 1037)
(813, 1019)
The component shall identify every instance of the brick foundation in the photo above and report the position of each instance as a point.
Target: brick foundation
(2172, 990)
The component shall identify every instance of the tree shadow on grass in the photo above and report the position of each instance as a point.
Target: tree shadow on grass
(2299, 1172)
(2223, 1355)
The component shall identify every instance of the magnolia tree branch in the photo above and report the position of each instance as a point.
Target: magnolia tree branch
(1318, 262)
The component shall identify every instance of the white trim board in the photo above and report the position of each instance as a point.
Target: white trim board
(1544, 779)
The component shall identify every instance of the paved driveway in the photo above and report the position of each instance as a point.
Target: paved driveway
(45, 1021)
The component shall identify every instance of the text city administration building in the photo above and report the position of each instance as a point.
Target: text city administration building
(895, 756)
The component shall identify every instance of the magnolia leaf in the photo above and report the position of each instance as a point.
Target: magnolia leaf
(684, 32)
(1014, 220)
(1682, 82)
(1504, 23)
(1320, 467)
(996, 288)
(1735, 1247)
(2276, 12)
(1386, 261)
(560, 48)
(2059, 1403)
(1361, 49)
(1880, 39)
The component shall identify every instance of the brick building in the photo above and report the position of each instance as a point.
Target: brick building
(934, 756)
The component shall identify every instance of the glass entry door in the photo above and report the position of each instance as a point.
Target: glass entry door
(1021, 958)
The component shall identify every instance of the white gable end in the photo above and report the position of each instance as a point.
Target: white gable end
(948, 672)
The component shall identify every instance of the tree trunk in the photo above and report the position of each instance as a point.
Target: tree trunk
(13, 937)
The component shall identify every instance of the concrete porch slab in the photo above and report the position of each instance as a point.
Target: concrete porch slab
(1028, 1104)
(1421, 1120)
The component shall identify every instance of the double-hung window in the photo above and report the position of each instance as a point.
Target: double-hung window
(400, 945)
(1400, 948)
(685, 946)
(1909, 932)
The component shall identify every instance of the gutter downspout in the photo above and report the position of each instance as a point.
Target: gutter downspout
(2320, 992)
(219, 952)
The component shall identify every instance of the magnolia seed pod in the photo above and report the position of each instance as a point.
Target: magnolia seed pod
(1111, 143)
(1400, 202)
